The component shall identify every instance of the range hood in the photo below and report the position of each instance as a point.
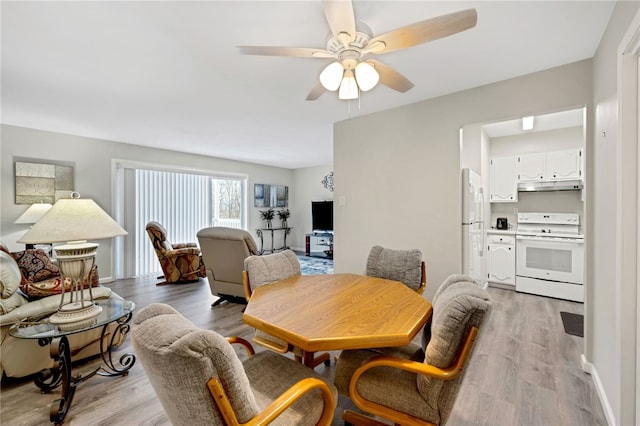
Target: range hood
(562, 185)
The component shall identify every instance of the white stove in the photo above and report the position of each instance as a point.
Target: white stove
(550, 255)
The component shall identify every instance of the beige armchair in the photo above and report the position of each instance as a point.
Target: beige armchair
(200, 380)
(405, 266)
(406, 384)
(223, 252)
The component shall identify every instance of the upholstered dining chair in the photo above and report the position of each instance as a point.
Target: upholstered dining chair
(410, 385)
(405, 266)
(223, 252)
(180, 262)
(263, 270)
(199, 378)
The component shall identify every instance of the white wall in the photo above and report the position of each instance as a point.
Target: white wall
(611, 302)
(405, 192)
(93, 174)
(308, 187)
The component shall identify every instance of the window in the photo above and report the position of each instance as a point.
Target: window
(183, 202)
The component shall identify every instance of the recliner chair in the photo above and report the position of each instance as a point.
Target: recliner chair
(223, 252)
(180, 262)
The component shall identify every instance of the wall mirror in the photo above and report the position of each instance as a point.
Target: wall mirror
(270, 195)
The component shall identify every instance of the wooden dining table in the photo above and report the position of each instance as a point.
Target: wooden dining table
(337, 311)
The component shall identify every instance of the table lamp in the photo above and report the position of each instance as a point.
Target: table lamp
(33, 213)
(74, 221)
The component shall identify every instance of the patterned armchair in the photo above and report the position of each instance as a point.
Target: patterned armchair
(181, 263)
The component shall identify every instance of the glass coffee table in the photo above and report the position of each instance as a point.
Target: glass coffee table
(113, 311)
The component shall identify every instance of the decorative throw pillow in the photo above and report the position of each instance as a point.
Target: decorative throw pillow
(35, 265)
(51, 286)
(9, 276)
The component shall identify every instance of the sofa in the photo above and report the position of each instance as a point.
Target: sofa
(27, 292)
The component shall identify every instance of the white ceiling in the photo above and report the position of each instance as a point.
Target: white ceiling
(167, 74)
(541, 123)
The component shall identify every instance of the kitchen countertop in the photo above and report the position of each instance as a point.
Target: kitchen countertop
(501, 231)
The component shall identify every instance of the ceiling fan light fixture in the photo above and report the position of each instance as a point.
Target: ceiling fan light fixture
(331, 76)
(348, 87)
(366, 76)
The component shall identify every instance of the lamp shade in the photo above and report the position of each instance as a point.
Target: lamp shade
(366, 76)
(33, 213)
(331, 76)
(348, 87)
(73, 219)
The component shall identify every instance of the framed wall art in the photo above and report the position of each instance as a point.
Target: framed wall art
(42, 182)
(270, 195)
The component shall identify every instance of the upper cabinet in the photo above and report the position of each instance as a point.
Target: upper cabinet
(564, 165)
(531, 167)
(504, 179)
(550, 166)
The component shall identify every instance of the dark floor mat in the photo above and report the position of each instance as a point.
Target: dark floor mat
(573, 323)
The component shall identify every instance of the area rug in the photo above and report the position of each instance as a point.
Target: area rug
(573, 323)
(315, 265)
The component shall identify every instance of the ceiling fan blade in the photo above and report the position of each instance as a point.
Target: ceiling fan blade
(341, 19)
(299, 52)
(423, 31)
(315, 92)
(390, 77)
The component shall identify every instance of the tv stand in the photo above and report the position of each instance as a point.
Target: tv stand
(322, 239)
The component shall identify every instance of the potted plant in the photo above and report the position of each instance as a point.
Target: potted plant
(284, 215)
(268, 216)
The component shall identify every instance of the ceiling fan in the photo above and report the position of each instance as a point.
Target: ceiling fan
(351, 70)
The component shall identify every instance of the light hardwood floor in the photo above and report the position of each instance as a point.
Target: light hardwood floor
(525, 369)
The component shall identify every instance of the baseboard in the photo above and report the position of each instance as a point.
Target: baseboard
(105, 280)
(590, 369)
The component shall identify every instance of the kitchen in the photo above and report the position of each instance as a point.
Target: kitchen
(523, 204)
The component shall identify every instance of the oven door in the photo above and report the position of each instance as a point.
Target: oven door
(549, 258)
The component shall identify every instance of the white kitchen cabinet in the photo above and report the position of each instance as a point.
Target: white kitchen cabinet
(564, 165)
(531, 167)
(501, 259)
(504, 179)
(550, 166)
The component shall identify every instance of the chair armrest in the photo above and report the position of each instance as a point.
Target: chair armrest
(246, 286)
(273, 410)
(449, 373)
(248, 347)
(183, 245)
(182, 252)
(423, 278)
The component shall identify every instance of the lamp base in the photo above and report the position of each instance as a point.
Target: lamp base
(75, 315)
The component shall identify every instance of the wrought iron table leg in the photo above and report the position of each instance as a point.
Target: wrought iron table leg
(259, 232)
(126, 361)
(61, 355)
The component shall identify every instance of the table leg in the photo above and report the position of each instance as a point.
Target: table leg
(259, 232)
(60, 351)
(307, 245)
(61, 355)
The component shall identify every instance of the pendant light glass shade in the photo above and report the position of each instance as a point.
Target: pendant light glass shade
(331, 76)
(348, 87)
(366, 76)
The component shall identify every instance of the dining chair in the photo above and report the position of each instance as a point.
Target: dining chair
(405, 266)
(266, 269)
(199, 378)
(180, 262)
(408, 385)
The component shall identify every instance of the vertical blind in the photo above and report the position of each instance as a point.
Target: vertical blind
(180, 202)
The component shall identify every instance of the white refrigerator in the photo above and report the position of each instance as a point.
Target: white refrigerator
(472, 225)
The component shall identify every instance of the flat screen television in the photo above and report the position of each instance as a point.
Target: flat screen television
(322, 215)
